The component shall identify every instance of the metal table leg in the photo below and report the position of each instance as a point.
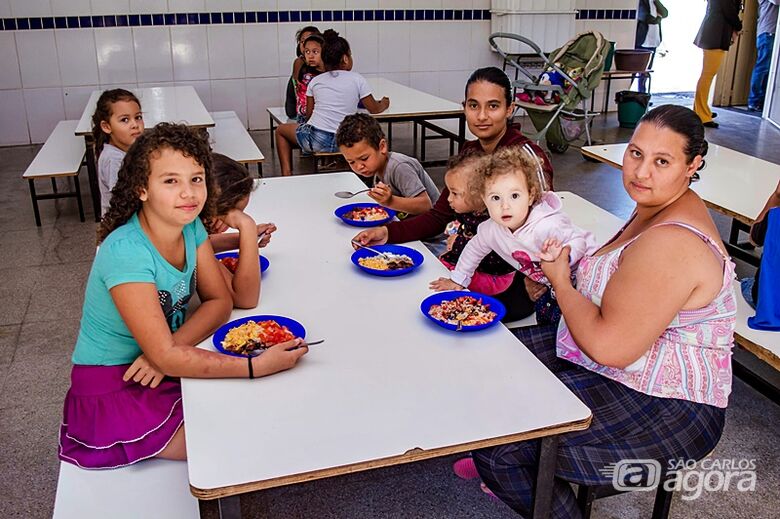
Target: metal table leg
(545, 477)
(94, 187)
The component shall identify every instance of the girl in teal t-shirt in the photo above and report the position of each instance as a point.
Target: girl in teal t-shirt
(122, 406)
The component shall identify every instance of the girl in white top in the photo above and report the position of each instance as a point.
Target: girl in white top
(116, 124)
(522, 217)
(330, 97)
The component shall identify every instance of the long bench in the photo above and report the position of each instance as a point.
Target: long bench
(764, 345)
(151, 488)
(62, 155)
(230, 138)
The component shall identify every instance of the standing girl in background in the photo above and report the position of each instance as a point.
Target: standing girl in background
(330, 97)
(121, 407)
(116, 124)
(718, 31)
(313, 67)
(234, 185)
(298, 62)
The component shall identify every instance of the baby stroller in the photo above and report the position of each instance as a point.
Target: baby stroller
(568, 77)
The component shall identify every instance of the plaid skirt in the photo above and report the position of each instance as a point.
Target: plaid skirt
(626, 425)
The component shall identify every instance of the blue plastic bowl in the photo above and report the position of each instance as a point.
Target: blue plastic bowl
(435, 299)
(264, 263)
(294, 326)
(341, 211)
(417, 259)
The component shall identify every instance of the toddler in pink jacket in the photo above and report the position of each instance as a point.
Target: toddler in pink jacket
(522, 216)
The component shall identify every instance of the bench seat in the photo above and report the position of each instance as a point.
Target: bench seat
(62, 155)
(230, 138)
(151, 488)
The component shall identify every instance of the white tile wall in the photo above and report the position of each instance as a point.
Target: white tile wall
(153, 58)
(77, 57)
(226, 52)
(9, 62)
(115, 56)
(5, 8)
(394, 47)
(13, 118)
(186, 6)
(70, 7)
(260, 5)
(260, 94)
(261, 48)
(148, 6)
(229, 94)
(363, 38)
(223, 5)
(21, 8)
(44, 110)
(110, 6)
(76, 98)
(190, 50)
(38, 59)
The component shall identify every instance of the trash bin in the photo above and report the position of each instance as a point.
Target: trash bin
(631, 107)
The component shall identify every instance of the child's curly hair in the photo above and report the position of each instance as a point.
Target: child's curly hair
(469, 164)
(511, 160)
(233, 182)
(136, 167)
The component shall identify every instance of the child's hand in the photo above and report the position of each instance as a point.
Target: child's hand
(239, 220)
(558, 270)
(268, 229)
(442, 284)
(280, 357)
(551, 249)
(384, 103)
(217, 226)
(381, 193)
(144, 372)
(535, 290)
(370, 237)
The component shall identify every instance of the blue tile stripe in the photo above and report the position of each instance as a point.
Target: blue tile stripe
(317, 16)
(606, 14)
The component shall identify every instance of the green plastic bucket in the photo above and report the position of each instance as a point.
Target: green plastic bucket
(631, 107)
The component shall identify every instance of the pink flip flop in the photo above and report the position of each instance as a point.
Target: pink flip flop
(486, 490)
(464, 468)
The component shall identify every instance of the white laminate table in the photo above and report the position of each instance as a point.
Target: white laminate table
(229, 137)
(386, 387)
(177, 104)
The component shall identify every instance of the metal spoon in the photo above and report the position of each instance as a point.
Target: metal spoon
(349, 194)
(385, 255)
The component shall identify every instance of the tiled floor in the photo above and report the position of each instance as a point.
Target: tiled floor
(42, 276)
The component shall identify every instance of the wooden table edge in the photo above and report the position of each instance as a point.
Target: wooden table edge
(758, 350)
(408, 457)
(600, 158)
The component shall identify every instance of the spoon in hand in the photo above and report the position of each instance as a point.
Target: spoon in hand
(349, 194)
(383, 254)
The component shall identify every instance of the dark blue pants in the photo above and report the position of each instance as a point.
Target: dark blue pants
(758, 80)
(626, 425)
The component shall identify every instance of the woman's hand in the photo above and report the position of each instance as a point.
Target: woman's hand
(144, 372)
(268, 229)
(381, 193)
(373, 236)
(442, 284)
(555, 261)
(280, 357)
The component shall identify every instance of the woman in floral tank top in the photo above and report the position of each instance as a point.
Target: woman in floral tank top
(646, 336)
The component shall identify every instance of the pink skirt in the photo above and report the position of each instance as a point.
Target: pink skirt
(487, 284)
(109, 423)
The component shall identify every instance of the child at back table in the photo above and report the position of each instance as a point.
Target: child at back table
(116, 124)
(122, 407)
(523, 217)
(399, 181)
(330, 97)
(291, 95)
(234, 185)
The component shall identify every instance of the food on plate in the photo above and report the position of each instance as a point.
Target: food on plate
(252, 336)
(464, 310)
(231, 263)
(367, 214)
(387, 262)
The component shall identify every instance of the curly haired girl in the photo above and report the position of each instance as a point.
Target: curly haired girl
(122, 407)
